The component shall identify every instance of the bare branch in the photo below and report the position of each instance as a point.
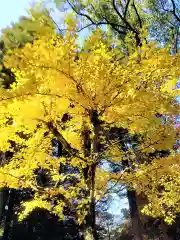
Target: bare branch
(113, 25)
(122, 18)
(81, 29)
(139, 19)
(116, 26)
(174, 11)
(126, 8)
(60, 137)
(73, 152)
(116, 10)
(91, 24)
(80, 13)
(55, 23)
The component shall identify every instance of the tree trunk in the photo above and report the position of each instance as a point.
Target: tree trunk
(134, 213)
(93, 204)
(164, 229)
(8, 217)
(89, 176)
(90, 227)
(4, 192)
(91, 233)
(133, 207)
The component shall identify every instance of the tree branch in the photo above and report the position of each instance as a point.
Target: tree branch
(80, 13)
(139, 19)
(55, 23)
(174, 11)
(62, 140)
(73, 152)
(115, 26)
(122, 18)
(126, 8)
(91, 24)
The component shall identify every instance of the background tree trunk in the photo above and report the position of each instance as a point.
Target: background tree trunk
(4, 192)
(163, 228)
(89, 176)
(135, 217)
(8, 216)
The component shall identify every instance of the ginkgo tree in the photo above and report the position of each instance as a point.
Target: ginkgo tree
(77, 97)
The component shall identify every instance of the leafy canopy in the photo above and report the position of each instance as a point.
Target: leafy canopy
(28, 28)
(53, 79)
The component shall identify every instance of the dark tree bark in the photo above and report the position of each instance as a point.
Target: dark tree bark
(164, 231)
(136, 223)
(92, 148)
(4, 192)
(90, 226)
(9, 216)
(135, 217)
(89, 174)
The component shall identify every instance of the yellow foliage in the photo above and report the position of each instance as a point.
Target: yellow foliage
(50, 78)
(159, 181)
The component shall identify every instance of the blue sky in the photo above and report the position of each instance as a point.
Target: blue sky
(10, 10)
